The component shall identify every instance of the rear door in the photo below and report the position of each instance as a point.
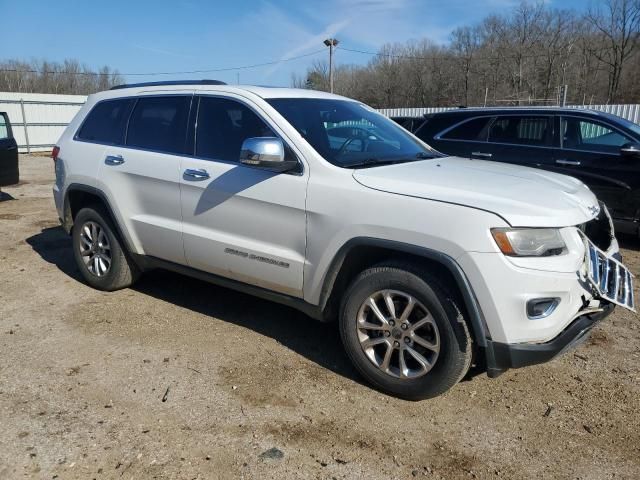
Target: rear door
(590, 151)
(8, 153)
(142, 174)
(525, 140)
(241, 222)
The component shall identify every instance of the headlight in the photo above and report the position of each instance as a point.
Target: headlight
(529, 242)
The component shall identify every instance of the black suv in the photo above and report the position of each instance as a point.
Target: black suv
(8, 153)
(601, 149)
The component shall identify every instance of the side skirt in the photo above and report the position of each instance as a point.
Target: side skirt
(149, 263)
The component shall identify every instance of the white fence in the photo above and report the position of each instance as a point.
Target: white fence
(38, 119)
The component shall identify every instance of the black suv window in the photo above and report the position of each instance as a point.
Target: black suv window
(5, 130)
(474, 129)
(159, 123)
(222, 127)
(106, 122)
(521, 130)
(582, 134)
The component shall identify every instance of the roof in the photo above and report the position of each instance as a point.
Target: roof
(524, 110)
(215, 86)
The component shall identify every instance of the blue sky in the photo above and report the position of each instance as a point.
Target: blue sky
(162, 36)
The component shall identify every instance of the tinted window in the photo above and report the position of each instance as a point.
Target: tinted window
(347, 133)
(106, 122)
(222, 127)
(474, 129)
(521, 130)
(580, 134)
(4, 129)
(159, 123)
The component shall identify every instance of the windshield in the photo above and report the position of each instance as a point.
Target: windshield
(634, 127)
(349, 134)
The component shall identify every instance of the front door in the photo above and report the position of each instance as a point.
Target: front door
(241, 222)
(590, 151)
(8, 153)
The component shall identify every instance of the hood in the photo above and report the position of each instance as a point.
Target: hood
(524, 197)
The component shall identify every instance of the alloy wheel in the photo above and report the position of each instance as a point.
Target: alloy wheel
(95, 249)
(398, 334)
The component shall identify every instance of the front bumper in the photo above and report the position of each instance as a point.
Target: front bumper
(503, 356)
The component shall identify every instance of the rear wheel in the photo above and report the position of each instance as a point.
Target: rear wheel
(404, 332)
(99, 253)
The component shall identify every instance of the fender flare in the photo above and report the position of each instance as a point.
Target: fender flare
(476, 317)
(67, 221)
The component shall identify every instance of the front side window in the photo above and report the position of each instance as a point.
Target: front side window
(223, 125)
(521, 130)
(4, 127)
(581, 134)
(159, 123)
(472, 130)
(349, 134)
(106, 122)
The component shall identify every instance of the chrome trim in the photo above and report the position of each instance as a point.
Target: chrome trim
(616, 288)
(196, 174)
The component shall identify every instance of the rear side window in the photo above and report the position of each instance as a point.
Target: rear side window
(222, 127)
(521, 130)
(106, 122)
(474, 129)
(4, 127)
(159, 123)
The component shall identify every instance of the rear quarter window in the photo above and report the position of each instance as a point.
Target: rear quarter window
(473, 130)
(106, 122)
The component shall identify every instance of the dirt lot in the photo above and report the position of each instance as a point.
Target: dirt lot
(176, 378)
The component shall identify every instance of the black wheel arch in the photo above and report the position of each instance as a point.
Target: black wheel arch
(78, 196)
(364, 252)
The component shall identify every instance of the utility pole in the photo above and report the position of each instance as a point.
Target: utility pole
(331, 43)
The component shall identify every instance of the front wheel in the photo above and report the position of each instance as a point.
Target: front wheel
(404, 332)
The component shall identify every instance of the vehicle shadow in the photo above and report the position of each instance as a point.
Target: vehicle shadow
(4, 196)
(316, 341)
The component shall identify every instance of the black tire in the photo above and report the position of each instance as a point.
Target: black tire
(122, 272)
(455, 344)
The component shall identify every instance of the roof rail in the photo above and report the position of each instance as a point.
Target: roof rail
(169, 82)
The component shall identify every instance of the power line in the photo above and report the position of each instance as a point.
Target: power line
(213, 70)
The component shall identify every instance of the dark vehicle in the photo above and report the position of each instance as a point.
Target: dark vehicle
(409, 123)
(601, 149)
(8, 153)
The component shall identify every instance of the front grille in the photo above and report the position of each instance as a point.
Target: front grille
(611, 280)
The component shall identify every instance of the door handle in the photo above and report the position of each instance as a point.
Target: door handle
(114, 160)
(481, 154)
(562, 161)
(196, 174)
(12, 148)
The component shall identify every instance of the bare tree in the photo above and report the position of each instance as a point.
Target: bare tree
(617, 24)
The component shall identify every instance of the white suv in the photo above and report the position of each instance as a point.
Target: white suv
(432, 264)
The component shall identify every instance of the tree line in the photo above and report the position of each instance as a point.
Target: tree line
(521, 57)
(68, 77)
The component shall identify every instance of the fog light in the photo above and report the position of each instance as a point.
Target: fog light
(541, 307)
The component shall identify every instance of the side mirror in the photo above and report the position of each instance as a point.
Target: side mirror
(630, 150)
(266, 153)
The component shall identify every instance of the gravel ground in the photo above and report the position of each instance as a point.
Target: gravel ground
(176, 378)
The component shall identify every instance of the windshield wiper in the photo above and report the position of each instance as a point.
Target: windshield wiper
(376, 162)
